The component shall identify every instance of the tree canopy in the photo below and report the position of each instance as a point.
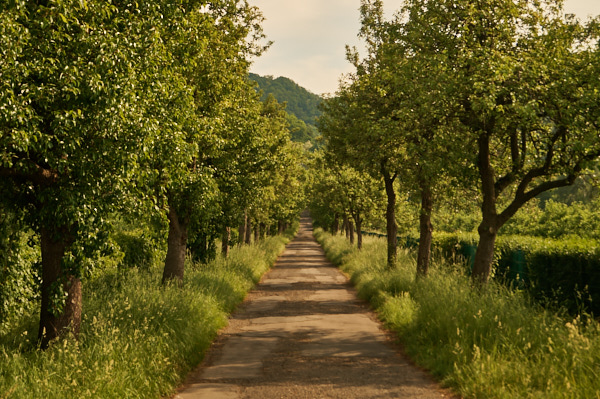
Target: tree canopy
(497, 95)
(108, 107)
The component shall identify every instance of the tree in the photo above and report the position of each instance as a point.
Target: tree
(521, 76)
(70, 122)
(246, 166)
(210, 48)
(358, 125)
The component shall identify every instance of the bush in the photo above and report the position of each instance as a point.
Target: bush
(19, 272)
(138, 249)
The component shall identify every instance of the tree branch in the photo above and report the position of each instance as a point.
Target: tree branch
(37, 175)
(522, 198)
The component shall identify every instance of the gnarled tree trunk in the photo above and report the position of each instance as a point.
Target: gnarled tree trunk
(263, 231)
(346, 227)
(335, 228)
(176, 246)
(488, 229)
(55, 323)
(484, 255)
(248, 238)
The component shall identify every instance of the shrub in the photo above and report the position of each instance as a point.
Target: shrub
(19, 272)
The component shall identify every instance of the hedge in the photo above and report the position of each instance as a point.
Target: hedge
(557, 272)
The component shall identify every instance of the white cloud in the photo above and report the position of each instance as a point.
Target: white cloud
(310, 36)
(583, 8)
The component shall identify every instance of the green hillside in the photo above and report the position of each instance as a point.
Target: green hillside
(300, 102)
(302, 106)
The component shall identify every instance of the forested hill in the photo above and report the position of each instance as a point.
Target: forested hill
(302, 107)
(300, 102)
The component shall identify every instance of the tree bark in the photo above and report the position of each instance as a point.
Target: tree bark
(335, 229)
(426, 230)
(488, 228)
(176, 246)
(484, 255)
(55, 324)
(242, 229)
(351, 231)
(359, 237)
(257, 233)
(225, 241)
(390, 217)
(346, 227)
(248, 238)
(263, 231)
(199, 248)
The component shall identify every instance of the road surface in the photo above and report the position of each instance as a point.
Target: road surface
(302, 333)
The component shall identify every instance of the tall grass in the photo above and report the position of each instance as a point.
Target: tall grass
(489, 343)
(139, 339)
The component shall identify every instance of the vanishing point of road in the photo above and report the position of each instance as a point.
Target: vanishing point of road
(302, 333)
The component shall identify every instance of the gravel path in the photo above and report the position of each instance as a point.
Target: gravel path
(302, 333)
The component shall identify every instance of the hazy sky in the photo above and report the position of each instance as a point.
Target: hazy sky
(310, 36)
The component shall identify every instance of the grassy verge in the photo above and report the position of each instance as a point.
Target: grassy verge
(138, 339)
(493, 343)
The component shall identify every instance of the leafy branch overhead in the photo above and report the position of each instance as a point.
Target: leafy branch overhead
(132, 108)
(505, 101)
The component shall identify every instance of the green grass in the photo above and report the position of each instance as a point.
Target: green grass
(138, 339)
(490, 343)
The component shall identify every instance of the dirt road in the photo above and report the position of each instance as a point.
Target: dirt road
(302, 333)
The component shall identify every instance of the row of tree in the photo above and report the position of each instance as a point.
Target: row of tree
(134, 107)
(497, 95)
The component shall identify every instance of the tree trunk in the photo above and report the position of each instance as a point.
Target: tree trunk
(426, 230)
(242, 229)
(263, 231)
(351, 230)
(335, 229)
(488, 228)
(225, 241)
(484, 256)
(390, 217)
(359, 238)
(176, 245)
(201, 248)
(257, 233)
(52, 323)
(346, 227)
(248, 238)
(281, 226)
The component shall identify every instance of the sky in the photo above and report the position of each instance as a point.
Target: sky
(310, 37)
